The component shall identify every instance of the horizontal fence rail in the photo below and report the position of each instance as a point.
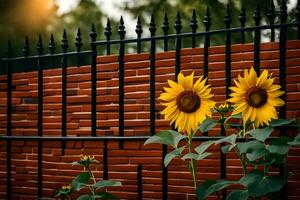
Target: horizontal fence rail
(92, 53)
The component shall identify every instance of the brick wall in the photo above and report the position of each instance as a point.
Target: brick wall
(123, 162)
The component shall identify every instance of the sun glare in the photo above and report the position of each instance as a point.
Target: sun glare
(31, 14)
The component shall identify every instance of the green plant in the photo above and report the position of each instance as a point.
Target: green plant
(252, 117)
(87, 180)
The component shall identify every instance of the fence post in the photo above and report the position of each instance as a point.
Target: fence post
(93, 36)
(282, 81)
(207, 24)
(178, 28)
(8, 122)
(40, 117)
(122, 33)
(257, 18)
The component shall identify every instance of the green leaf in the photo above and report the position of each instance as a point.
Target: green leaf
(227, 148)
(229, 139)
(254, 149)
(207, 125)
(80, 181)
(270, 159)
(281, 122)
(261, 134)
(107, 183)
(201, 190)
(106, 195)
(238, 195)
(260, 185)
(212, 186)
(85, 197)
(236, 116)
(170, 156)
(251, 177)
(279, 145)
(196, 156)
(203, 146)
(168, 137)
(296, 141)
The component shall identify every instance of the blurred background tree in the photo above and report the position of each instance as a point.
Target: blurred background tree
(32, 17)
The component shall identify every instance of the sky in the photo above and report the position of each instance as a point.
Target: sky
(111, 8)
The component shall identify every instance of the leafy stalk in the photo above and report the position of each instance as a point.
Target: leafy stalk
(192, 162)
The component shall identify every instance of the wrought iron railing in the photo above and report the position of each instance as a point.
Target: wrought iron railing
(122, 42)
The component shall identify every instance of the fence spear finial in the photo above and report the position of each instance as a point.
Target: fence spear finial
(64, 41)
(9, 49)
(78, 42)
(194, 22)
(227, 18)
(152, 25)
(51, 44)
(121, 29)
(93, 33)
(242, 16)
(207, 20)
(107, 31)
(178, 25)
(165, 25)
(40, 47)
(257, 15)
(283, 11)
(139, 27)
(25, 49)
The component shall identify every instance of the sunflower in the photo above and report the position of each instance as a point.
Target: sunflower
(187, 103)
(256, 97)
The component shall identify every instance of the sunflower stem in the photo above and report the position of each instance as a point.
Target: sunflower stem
(192, 163)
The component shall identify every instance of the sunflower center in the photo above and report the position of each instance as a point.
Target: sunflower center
(256, 97)
(188, 101)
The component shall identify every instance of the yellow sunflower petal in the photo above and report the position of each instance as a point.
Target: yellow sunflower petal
(275, 101)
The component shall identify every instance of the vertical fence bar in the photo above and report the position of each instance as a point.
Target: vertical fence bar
(207, 24)
(152, 30)
(40, 117)
(178, 28)
(242, 18)
(78, 44)
(165, 28)
(122, 33)
(52, 49)
(64, 46)
(140, 181)
(257, 18)
(26, 51)
(8, 120)
(105, 165)
(93, 36)
(108, 33)
(139, 31)
(298, 19)
(271, 16)
(194, 26)
(282, 80)
(227, 21)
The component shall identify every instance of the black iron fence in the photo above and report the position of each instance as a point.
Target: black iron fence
(41, 58)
